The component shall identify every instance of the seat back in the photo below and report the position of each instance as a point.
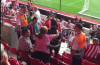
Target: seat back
(34, 61)
(24, 56)
(66, 54)
(13, 50)
(6, 46)
(66, 60)
(88, 63)
(54, 61)
(62, 63)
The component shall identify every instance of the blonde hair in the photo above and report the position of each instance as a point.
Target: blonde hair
(95, 39)
(43, 30)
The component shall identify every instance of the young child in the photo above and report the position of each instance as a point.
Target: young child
(92, 50)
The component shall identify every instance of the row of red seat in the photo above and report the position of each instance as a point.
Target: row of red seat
(62, 59)
(65, 60)
(22, 55)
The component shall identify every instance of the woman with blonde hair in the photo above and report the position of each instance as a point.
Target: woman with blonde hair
(41, 50)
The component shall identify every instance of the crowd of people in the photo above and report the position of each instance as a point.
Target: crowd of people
(39, 37)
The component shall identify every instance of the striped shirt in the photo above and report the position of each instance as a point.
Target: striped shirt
(92, 50)
(24, 44)
(42, 44)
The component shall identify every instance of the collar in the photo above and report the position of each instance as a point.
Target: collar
(78, 33)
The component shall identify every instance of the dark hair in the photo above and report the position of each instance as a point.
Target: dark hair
(31, 13)
(23, 6)
(24, 31)
(79, 25)
(34, 18)
(43, 30)
(48, 16)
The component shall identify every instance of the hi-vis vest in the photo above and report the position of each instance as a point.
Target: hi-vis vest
(23, 20)
(81, 44)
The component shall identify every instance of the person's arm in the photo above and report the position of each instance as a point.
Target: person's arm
(19, 25)
(74, 48)
(56, 35)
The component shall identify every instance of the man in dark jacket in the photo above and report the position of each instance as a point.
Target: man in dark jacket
(54, 22)
(55, 43)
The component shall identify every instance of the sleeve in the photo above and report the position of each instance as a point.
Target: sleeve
(50, 37)
(18, 20)
(75, 45)
(27, 45)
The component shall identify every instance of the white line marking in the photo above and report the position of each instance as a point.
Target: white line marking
(70, 4)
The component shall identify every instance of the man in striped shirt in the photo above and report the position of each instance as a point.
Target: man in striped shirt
(24, 42)
(92, 50)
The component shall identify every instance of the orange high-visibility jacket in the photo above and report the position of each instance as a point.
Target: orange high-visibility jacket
(23, 20)
(81, 42)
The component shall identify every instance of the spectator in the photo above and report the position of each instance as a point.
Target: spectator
(48, 22)
(24, 42)
(87, 40)
(33, 28)
(76, 20)
(41, 50)
(98, 57)
(37, 14)
(29, 6)
(4, 56)
(55, 43)
(30, 17)
(91, 31)
(97, 35)
(21, 20)
(92, 50)
(68, 25)
(53, 21)
(59, 25)
(78, 44)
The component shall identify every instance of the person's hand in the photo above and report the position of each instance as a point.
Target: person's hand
(5, 57)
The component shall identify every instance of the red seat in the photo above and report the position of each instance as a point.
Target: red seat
(66, 54)
(59, 56)
(34, 61)
(62, 63)
(52, 54)
(54, 61)
(96, 62)
(6, 46)
(13, 50)
(66, 60)
(24, 56)
(88, 63)
(14, 61)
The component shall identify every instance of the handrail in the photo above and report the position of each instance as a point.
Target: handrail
(2, 14)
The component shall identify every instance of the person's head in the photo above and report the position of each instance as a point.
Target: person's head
(23, 9)
(43, 30)
(95, 41)
(90, 26)
(78, 27)
(34, 20)
(48, 17)
(26, 32)
(53, 16)
(31, 14)
(35, 9)
(69, 21)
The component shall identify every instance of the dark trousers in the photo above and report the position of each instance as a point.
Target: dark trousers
(76, 61)
(42, 56)
(18, 33)
(56, 51)
(32, 41)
